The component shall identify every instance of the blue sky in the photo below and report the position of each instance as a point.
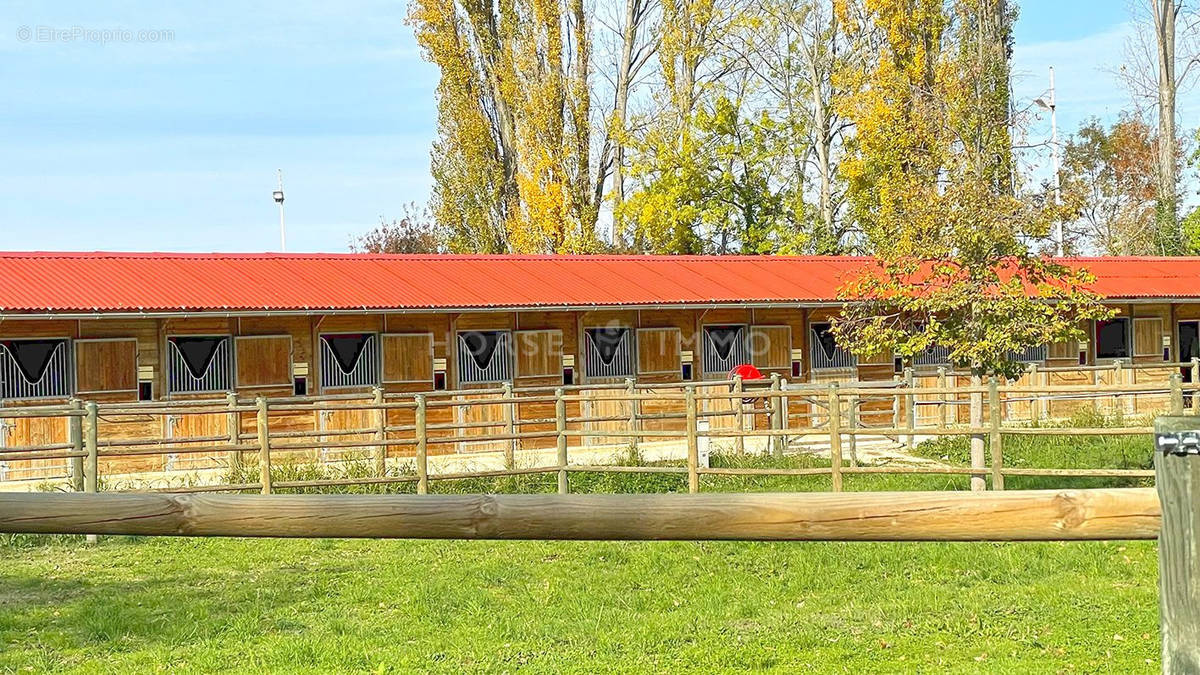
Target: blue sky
(172, 143)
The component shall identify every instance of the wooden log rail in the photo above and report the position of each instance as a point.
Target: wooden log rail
(838, 413)
(1046, 515)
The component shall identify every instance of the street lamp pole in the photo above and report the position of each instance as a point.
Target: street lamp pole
(278, 196)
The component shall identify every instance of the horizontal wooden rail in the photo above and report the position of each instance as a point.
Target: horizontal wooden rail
(1046, 515)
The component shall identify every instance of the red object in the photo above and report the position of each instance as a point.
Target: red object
(747, 372)
(173, 282)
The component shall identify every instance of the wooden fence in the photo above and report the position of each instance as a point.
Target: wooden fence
(400, 434)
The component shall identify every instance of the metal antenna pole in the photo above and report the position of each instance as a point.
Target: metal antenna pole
(1054, 158)
(278, 196)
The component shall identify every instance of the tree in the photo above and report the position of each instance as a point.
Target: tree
(414, 232)
(512, 164)
(1151, 74)
(1113, 174)
(796, 51)
(930, 178)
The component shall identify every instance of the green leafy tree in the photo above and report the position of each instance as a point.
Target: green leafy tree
(931, 181)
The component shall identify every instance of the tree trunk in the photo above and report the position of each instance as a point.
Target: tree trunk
(1165, 13)
(978, 449)
(629, 33)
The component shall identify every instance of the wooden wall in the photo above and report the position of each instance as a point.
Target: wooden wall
(271, 350)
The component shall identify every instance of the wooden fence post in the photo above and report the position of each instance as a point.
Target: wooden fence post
(264, 446)
(1195, 385)
(233, 424)
(941, 383)
(693, 446)
(994, 437)
(380, 432)
(634, 411)
(776, 404)
(1177, 478)
(510, 427)
(1035, 398)
(75, 438)
(91, 443)
(560, 425)
(835, 437)
(1176, 385)
(784, 414)
(422, 447)
(852, 439)
(739, 416)
(910, 408)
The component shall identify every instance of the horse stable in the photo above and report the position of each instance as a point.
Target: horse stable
(137, 328)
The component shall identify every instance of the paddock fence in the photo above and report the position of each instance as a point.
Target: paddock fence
(196, 445)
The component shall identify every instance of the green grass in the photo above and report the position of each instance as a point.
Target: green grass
(389, 606)
(1061, 452)
(133, 604)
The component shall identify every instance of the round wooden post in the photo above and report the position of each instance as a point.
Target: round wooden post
(852, 419)
(75, 438)
(1195, 385)
(776, 407)
(264, 446)
(634, 408)
(693, 446)
(1176, 385)
(739, 416)
(835, 436)
(422, 447)
(1035, 398)
(910, 408)
(380, 414)
(941, 383)
(91, 443)
(994, 436)
(510, 426)
(233, 424)
(560, 425)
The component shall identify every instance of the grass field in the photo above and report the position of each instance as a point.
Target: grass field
(391, 606)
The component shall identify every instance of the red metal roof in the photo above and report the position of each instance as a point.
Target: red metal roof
(183, 282)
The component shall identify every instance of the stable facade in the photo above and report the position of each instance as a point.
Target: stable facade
(130, 327)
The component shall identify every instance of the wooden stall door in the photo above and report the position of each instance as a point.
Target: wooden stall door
(28, 431)
(207, 429)
(603, 403)
(346, 420)
(1155, 403)
(720, 414)
(477, 414)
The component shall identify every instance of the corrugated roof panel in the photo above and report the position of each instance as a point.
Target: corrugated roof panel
(164, 282)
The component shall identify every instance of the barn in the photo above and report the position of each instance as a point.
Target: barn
(157, 326)
(141, 334)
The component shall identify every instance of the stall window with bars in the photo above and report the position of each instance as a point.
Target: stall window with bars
(725, 348)
(824, 351)
(350, 360)
(935, 355)
(199, 363)
(1035, 354)
(484, 356)
(35, 368)
(609, 352)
